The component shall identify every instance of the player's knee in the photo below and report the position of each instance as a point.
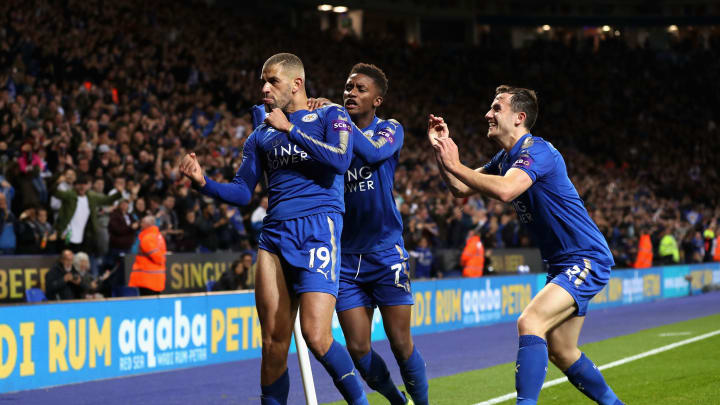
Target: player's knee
(563, 356)
(358, 349)
(317, 341)
(401, 345)
(526, 324)
(271, 346)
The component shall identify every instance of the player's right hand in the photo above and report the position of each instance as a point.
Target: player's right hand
(190, 168)
(437, 128)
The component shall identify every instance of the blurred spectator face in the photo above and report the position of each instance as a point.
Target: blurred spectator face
(70, 176)
(361, 95)
(277, 89)
(3, 203)
(247, 261)
(123, 206)
(119, 182)
(98, 185)
(42, 215)
(82, 188)
(169, 202)
(190, 217)
(264, 202)
(84, 165)
(140, 205)
(66, 258)
(83, 266)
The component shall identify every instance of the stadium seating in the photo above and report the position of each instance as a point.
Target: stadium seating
(35, 295)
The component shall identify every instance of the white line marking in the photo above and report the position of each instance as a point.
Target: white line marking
(669, 334)
(561, 380)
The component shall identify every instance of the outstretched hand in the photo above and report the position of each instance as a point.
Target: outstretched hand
(278, 120)
(190, 168)
(437, 128)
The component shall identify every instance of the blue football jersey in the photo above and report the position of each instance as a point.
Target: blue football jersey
(372, 221)
(304, 167)
(551, 208)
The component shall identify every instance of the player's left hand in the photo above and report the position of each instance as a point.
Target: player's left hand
(278, 120)
(315, 103)
(447, 152)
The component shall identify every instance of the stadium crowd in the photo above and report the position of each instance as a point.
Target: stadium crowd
(101, 99)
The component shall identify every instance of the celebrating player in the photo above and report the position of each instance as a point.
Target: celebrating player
(530, 174)
(374, 261)
(304, 156)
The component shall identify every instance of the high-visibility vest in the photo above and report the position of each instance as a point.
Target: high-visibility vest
(473, 257)
(716, 255)
(149, 267)
(645, 252)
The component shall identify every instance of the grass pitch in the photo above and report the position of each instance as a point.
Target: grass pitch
(688, 374)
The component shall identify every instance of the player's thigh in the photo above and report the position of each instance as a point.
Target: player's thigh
(356, 324)
(275, 305)
(316, 312)
(548, 309)
(562, 342)
(396, 320)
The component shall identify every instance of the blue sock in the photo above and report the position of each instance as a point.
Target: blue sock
(340, 366)
(530, 368)
(373, 369)
(587, 378)
(413, 374)
(277, 392)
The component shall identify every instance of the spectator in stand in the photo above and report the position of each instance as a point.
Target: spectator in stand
(236, 277)
(48, 242)
(122, 228)
(28, 235)
(63, 281)
(668, 251)
(473, 256)
(90, 284)
(168, 222)
(7, 190)
(65, 182)
(8, 225)
(188, 241)
(77, 219)
(148, 271)
(423, 258)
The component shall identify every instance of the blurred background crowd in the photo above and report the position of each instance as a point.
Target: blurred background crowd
(100, 99)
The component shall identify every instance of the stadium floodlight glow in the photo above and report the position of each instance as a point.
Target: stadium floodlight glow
(340, 9)
(546, 27)
(325, 7)
(673, 28)
(606, 28)
(617, 33)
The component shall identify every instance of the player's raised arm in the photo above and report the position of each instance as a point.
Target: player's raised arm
(383, 143)
(331, 144)
(437, 128)
(239, 190)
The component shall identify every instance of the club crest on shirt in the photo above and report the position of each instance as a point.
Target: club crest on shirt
(310, 117)
(369, 133)
(528, 142)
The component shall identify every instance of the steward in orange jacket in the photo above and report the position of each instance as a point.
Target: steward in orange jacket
(473, 257)
(148, 270)
(645, 252)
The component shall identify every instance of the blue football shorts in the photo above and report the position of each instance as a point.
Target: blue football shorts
(581, 277)
(309, 250)
(379, 278)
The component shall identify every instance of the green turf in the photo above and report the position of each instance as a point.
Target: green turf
(688, 374)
